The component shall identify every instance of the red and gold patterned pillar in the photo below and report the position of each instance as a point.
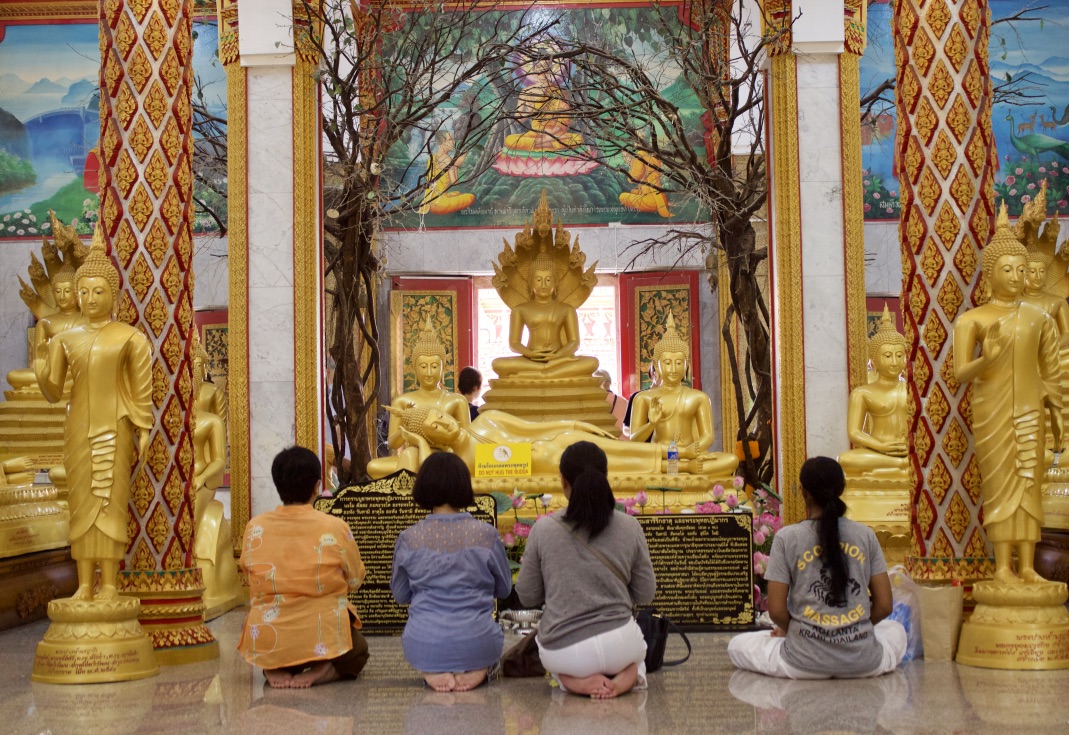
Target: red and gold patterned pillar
(946, 153)
(146, 211)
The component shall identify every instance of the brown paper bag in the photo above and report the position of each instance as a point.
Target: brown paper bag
(940, 620)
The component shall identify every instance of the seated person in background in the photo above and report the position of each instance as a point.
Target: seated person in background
(301, 564)
(448, 568)
(588, 638)
(470, 385)
(830, 609)
(617, 404)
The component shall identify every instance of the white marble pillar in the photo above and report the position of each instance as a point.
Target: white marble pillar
(266, 50)
(818, 42)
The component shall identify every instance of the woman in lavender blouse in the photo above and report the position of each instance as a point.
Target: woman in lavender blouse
(448, 568)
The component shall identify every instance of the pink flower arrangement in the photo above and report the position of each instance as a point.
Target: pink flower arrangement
(519, 500)
(642, 498)
(738, 482)
(718, 492)
(508, 539)
(760, 563)
(522, 530)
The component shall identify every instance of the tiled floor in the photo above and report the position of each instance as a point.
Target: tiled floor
(704, 695)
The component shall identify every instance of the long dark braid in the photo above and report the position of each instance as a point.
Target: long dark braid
(823, 479)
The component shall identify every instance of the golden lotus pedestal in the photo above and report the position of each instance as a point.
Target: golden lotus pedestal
(1017, 627)
(93, 642)
(549, 399)
(1056, 499)
(882, 505)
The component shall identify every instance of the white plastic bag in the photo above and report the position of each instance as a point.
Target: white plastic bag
(907, 610)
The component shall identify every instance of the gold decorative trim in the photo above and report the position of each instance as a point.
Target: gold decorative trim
(48, 10)
(238, 305)
(729, 410)
(790, 351)
(853, 217)
(306, 249)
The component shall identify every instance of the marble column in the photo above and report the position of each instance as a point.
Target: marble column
(276, 267)
(809, 262)
(947, 155)
(146, 214)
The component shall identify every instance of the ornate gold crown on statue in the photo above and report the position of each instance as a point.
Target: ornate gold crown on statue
(540, 246)
(62, 258)
(427, 342)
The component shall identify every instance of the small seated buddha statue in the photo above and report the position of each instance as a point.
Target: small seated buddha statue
(212, 547)
(877, 413)
(52, 297)
(672, 411)
(428, 358)
(544, 281)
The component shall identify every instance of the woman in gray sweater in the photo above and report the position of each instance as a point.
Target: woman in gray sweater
(576, 563)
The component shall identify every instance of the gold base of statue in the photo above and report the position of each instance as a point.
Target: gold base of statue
(548, 399)
(883, 506)
(172, 613)
(32, 427)
(1021, 627)
(31, 519)
(92, 642)
(1056, 499)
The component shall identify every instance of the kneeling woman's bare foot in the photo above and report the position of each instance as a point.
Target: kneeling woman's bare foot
(443, 682)
(598, 686)
(322, 672)
(622, 683)
(468, 680)
(278, 678)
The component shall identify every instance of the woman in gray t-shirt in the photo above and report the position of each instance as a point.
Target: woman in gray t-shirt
(829, 609)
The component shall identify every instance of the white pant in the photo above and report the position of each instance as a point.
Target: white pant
(760, 652)
(608, 653)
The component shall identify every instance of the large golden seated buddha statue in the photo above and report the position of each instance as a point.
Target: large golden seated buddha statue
(543, 281)
(30, 425)
(877, 468)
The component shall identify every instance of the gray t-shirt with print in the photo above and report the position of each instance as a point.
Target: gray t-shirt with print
(838, 641)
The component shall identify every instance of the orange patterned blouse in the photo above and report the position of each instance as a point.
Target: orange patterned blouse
(301, 565)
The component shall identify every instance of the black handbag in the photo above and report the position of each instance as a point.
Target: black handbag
(522, 659)
(655, 629)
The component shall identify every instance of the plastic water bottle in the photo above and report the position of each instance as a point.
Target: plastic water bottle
(673, 458)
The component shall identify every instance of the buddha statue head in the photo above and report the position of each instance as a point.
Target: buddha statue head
(887, 348)
(65, 289)
(671, 354)
(428, 357)
(438, 428)
(1004, 261)
(543, 279)
(98, 281)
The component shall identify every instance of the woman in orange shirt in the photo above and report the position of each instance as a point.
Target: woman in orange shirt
(301, 628)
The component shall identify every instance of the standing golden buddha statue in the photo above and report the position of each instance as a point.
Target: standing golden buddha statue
(428, 360)
(877, 468)
(109, 413)
(1008, 350)
(543, 281)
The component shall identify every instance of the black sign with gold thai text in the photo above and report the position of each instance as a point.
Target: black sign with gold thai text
(704, 568)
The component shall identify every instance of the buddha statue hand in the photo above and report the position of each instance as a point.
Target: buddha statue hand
(657, 411)
(896, 448)
(994, 342)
